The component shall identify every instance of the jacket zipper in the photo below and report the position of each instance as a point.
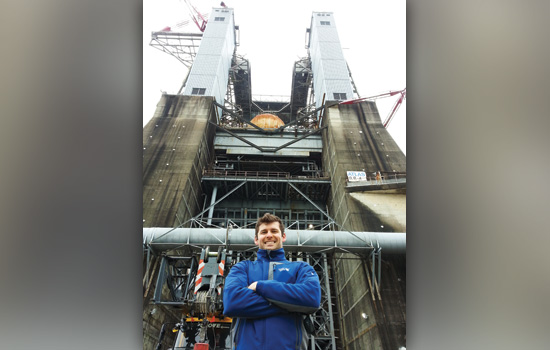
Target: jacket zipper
(266, 277)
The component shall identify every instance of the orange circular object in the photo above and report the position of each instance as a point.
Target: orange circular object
(267, 121)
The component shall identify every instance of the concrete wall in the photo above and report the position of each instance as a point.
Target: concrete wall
(390, 208)
(177, 145)
(356, 140)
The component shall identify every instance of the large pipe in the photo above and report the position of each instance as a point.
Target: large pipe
(166, 238)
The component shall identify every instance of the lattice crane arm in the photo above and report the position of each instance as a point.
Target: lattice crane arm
(196, 15)
(386, 94)
(396, 106)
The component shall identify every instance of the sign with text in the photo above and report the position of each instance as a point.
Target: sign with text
(357, 176)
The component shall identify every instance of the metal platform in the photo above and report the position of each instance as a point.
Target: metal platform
(255, 185)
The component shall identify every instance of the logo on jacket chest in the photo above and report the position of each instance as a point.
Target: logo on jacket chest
(284, 274)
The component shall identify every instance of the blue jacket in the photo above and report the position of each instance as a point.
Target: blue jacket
(272, 316)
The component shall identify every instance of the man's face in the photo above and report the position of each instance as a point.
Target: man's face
(269, 236)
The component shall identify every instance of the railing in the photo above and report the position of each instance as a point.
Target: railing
(385, 178)
(242, 223)
(262, 174)
(271, 98)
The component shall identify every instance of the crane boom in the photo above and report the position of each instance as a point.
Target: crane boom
(386, 94)
(395, 107)
(196, 15)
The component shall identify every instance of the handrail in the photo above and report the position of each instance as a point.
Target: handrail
(385, 178)
(261, 174)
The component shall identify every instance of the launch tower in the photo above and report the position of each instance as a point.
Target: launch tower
(215, 159)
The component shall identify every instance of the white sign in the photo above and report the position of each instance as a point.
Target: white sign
(357, 176)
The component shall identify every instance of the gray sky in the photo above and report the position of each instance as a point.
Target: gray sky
(273, 37)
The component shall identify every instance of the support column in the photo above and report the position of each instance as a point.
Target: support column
(329, 303)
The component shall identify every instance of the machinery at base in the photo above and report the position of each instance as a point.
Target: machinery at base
(196, 289)
(210, 333)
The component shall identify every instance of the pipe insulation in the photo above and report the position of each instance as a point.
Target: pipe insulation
(166, 238)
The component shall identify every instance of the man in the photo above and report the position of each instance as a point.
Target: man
(268, 298)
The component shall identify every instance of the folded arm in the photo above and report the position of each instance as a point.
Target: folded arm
(240, 301)
(302, 296)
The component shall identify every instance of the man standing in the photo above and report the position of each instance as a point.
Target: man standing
(267, 298)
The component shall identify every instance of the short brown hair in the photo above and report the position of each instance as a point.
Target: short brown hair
(269, 218)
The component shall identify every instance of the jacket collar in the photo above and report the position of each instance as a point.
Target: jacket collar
(276, 255)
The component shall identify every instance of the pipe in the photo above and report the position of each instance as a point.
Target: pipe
(296, 240)
(212, 201)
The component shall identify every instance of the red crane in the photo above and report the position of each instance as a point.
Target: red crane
(395, 107)
(197, 16)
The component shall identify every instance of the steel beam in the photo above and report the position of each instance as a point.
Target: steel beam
(269, 149)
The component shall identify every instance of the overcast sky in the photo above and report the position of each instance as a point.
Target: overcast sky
(273, 37)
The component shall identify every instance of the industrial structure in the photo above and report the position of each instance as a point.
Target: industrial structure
(215, 159)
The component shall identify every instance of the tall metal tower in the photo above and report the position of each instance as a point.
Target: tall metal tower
(215, 159)
(331, 76)
(210, 71)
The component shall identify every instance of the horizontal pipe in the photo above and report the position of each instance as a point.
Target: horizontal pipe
(166, 238)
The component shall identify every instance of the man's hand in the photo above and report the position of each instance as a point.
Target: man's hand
(253, 286)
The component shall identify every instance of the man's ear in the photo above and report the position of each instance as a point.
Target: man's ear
(256, 240)
(283, 237)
